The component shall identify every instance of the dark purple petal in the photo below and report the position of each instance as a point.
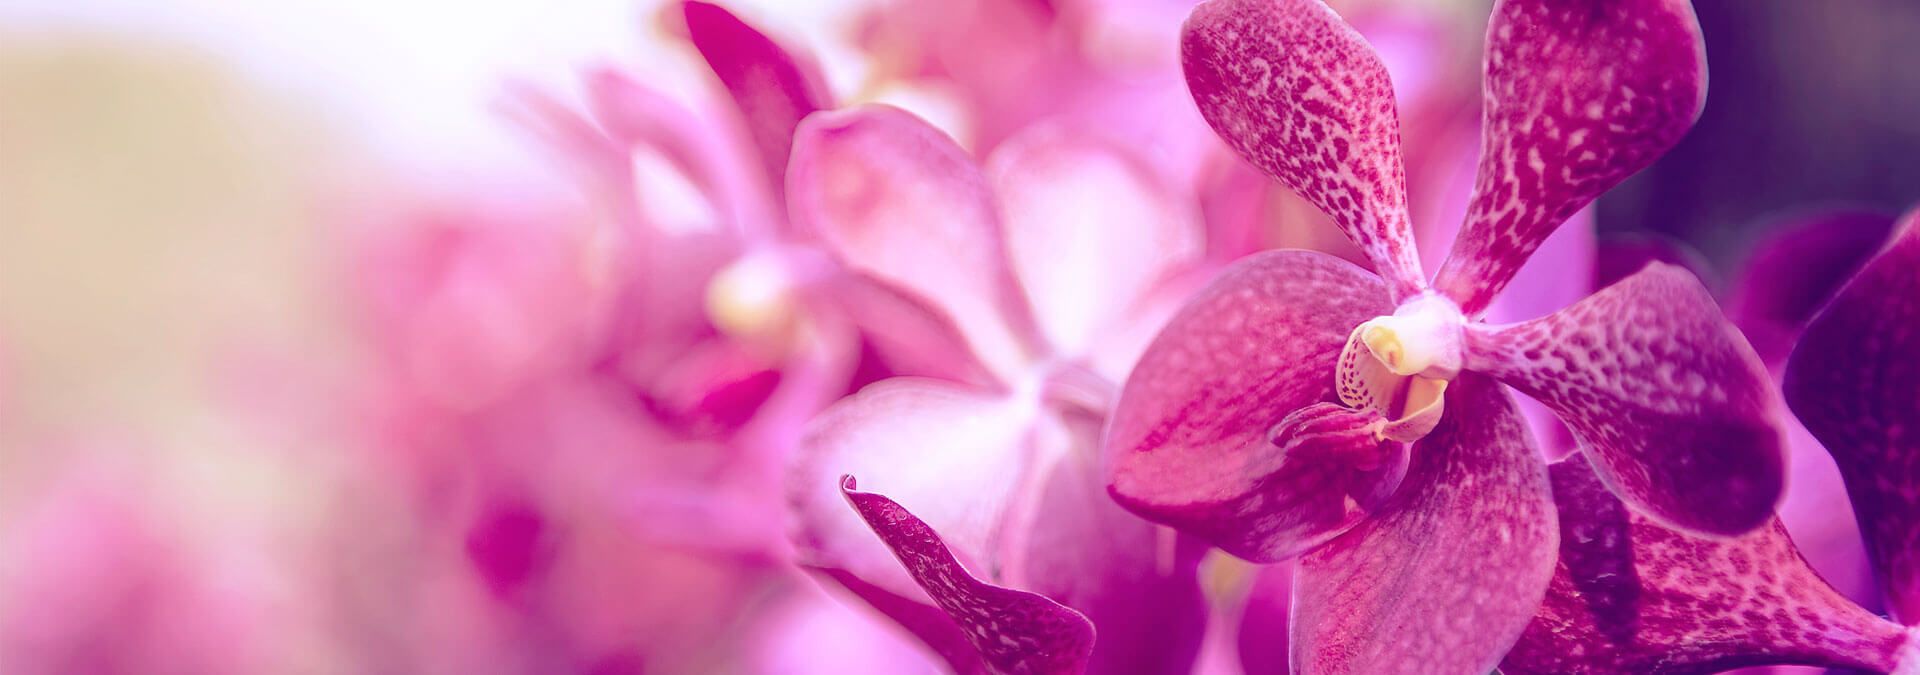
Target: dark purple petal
(1852, 380)
(1297, 92)
(1794, 270)
(1015, 631)
(1188, 442)
(1444, 577)
(1580, 94)
(773, 88)
(1630, 596)
(895, 198)
(1622, 255)
(1263, 630)
(1673, 406)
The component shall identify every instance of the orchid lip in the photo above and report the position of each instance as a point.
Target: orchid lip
(1399, 365)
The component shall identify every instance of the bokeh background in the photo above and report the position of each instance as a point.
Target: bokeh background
(197, 466)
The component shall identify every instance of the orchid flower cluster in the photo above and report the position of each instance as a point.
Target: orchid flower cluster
(1035, 397)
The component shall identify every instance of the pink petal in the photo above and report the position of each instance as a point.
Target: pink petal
(773, 88)
(1188, 442)
(1015, 631)
(636, 116)
(1671, 402)
(1580, 94)
(1851, 380)
(911, 335)
(1297, 92)
(953, 454)
(1444, 577)
(897, 199)
(1630, 596)
(1263, 621)
(1090, 230)
(1795, 269)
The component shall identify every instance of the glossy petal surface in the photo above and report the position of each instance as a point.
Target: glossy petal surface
(773, 88)
(1298, 92)
(1090, 230)
(1188, 442)
(897, 199)
(952, 454)
(1580, 94)
(1852, 381)
(1630, 596)
(1445, 576)
(1671, 402)
(1015, 631)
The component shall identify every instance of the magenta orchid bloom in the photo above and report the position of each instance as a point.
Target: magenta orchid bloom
(1273, 416)
(1849, 380)
(996, 544)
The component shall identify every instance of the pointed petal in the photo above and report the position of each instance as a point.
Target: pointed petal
(1015, 631)
(1674, 407)
(1852, 381)
(1630, 596)
(1090, 230)
(1445, 576)
(773, 88)
(952, 454)
(1580, 94)
(896, 198)
(1188, 442)
(1297, 92)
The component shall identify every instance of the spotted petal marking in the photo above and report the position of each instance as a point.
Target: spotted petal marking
(1630, 596)
(1297, 92)
(1854, 379)
(1580, 94)
(1188, 444)
(1674, 407)
(773, 88)
(1444, 577)
(1015, 631)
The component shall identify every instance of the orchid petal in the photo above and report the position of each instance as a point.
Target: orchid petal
(1630, 596)
(1580, 94)
(1262, 642)
(1297, 92)
(1852, 381)
(1090, 230)
(951, 453)
(1188, 442)
(1621, 255)
(1673, 405)
(1015, 631)
(1794, 269)
(1444, 577)
(897, 199)
(773, 88)
(636, 116)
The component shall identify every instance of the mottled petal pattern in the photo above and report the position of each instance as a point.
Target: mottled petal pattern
(1674, 407)
(1630, 596)
(1015, 631)
(1854, 380)
(1447, 574)
(895, 198)
(1298, 92)
(1580, 94)
(773, 88)
(1188, 444)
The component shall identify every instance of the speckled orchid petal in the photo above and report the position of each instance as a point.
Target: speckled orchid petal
(773, 88)
(895, 198)
(953, 454)
(1297, 92)
(1015, 631)
(1668, 398)
(1630, 596)
(1090, 230)
(1443, 578)
(1852, 381)
(1188, 444)
(1580, 94)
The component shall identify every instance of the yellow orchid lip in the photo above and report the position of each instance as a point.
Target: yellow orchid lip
(1399, 365)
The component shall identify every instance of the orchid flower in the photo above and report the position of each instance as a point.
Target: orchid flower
(1302, 406)
(995, 543)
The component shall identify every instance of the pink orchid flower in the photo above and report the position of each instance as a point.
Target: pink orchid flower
(996, 545)
(1302, 405)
